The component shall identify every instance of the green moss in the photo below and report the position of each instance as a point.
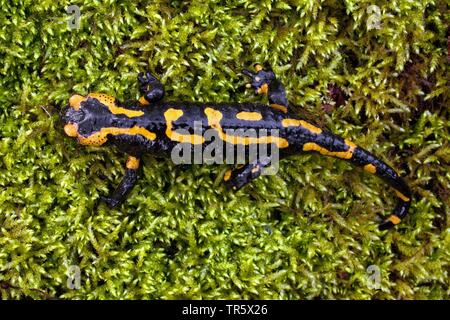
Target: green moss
(308, 232)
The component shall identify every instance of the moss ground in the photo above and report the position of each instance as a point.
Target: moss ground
(308, 232)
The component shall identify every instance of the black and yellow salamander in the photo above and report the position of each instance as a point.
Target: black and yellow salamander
(153, 126)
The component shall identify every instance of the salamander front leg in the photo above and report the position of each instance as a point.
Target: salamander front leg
(127, 183)
(237, 178)
(151, 88)
(265, 82)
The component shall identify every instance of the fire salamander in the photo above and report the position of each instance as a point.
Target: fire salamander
(153, 126)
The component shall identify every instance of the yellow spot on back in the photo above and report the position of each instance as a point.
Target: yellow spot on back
(394, 219)
(100, 137)
(370, 168)
(279, 107)
(350, 144)
(111, 104)
(301, 123)
(214, 117)
(172, 115)
(249, 116)
(402, 196)
(227, 175)
(132, 163)
(311, 146)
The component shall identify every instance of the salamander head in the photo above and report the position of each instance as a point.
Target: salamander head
(89, 120)
(73, 115)
(84, 118)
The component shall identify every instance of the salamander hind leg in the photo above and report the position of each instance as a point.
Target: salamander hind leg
(151, 88)
(265, 82)
(237, 178)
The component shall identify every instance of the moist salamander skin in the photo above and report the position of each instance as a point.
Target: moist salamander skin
(151, 125)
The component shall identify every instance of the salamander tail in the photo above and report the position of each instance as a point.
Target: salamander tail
(331, 145)
(373, 165)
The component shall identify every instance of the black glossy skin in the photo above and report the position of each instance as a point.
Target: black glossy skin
(92, 115)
